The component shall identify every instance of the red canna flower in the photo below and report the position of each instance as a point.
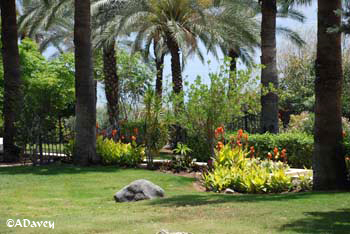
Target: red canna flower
(275, 151)
(239, 143)
(269, 155)
(97, 125)
(283, 153)
(252, 151)
(240, 133)
(133, 138)
(114, 133)
(220, 145)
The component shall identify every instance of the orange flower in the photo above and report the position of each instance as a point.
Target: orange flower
(220, 130)
(275, 151)
(239, 143)
(269, 155)
(220, 145)
(97, 125)
(240, 133)
(133, 138)
(252, 151)
(136, 131)
(344, 134)
(114, 133)
(283, 153)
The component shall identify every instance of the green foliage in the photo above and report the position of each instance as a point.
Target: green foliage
(134, 78)
(118, 153)
(182, 162)
(211, 105)
(156, 130)
(182, 149)
(232, 169)
(304, 182)
(303, 122)
(299, 147)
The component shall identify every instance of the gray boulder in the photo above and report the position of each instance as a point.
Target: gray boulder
(139, 190)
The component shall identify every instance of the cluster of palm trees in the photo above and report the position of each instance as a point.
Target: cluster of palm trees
(174, 27)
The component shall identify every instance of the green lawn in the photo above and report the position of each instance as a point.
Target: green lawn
(80, 200)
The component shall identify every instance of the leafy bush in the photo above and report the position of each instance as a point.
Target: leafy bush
(304, 122)
(299, 146)
(118, 153)
(232, 169)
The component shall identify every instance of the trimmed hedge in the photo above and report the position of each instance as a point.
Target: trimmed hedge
(299, 147)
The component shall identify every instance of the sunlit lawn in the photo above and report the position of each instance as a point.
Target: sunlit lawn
(80, 200)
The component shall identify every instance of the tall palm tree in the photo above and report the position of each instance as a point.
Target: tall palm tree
(12, 77)
(177, 22)
(85, 143)
(269, 76)
(328, 162)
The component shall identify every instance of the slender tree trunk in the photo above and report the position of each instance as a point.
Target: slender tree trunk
(177, 87)
(111, 84)
(233, 67)
(175, 66)
(159, 66)
(85, 139)
(328, 162)
(269, 100)
(12, 77)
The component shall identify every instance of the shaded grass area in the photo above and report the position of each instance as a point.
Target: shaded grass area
(80, 200)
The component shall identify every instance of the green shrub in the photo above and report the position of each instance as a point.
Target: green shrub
(299, 146)
(118, 153)
(199, 146)
(232, 169)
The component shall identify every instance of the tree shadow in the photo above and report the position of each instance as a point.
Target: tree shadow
(321, 222)
(55, 169)
(211, 198)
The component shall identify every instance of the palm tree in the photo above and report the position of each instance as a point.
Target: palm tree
(178, 24)
(85, 139)
(12, 77)
(328, 162)
(269, 97)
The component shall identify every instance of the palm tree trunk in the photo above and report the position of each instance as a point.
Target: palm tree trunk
(159, 80)
(177, 87)
(12, 77)
(233, 66)
(175, 66)
(269, 100)
(111, 84)
(85, 139)
(328, 162)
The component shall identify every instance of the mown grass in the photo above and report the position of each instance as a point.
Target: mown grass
(80, 200)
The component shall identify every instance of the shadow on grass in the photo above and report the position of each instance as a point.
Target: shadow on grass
(55, 169)
(211, 198)
(321, 222)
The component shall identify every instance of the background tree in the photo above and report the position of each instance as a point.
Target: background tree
(85, 141)
(328, 162)
(12, 77)
(270, 9)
